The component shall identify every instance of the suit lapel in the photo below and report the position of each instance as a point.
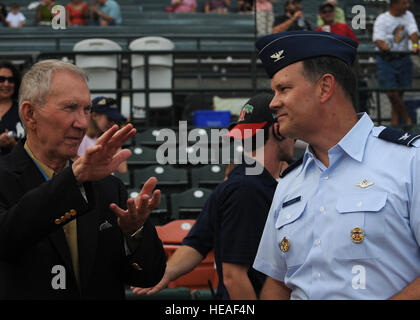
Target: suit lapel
(87, 236)
(31, 178)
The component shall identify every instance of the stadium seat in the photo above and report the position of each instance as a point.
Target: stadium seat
(207, 176)
(188, 204)
(151, 136)
(102, 70)
(170, 179)
(141, 155)
(160, 74)
(172, 235)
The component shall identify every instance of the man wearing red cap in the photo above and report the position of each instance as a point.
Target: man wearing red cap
(233, 218)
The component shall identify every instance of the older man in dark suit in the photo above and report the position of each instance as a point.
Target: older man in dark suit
(67, 230)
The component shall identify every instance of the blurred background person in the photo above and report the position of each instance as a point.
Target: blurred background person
(293, 18)
(104, 115)
(338, 16)
(3, 15)
(218, 6)
(182, 6)
(11, 128)
(394, 68)
(245, 6)
(77, 13)
(265, 17)
(43, 14)
(108, 13)
(15, 18)
(326, 12)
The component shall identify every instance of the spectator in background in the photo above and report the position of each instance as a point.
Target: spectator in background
(3, 14)
(11, 128)
(265, 17)
(43, 14)
(15, 18)
(293, 19)
(391, 32)
(339, 15)
(104, 114)
(108, 13)
(183, 6)
(218, 6)
(77, 12)
(245, 6)
(326, 12)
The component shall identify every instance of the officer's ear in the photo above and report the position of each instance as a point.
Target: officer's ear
(26, 111)
(276, 132)
(326, 87)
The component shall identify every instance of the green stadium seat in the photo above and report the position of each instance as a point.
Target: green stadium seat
(207, 176)
(188, 204)
(170, 179)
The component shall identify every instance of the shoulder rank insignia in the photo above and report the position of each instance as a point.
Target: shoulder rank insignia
(398, 136)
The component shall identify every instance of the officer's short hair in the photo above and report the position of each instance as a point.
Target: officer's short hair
(314, 68)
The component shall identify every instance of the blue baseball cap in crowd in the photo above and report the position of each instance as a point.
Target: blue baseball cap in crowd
(279, 50)
(109, 107)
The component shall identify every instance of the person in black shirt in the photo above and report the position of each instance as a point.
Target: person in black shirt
(293, 19)
(11, 128)
(234, 216)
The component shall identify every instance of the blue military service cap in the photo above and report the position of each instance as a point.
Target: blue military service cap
(279, 50)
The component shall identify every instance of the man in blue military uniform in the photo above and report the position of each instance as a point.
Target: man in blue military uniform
(233, 218)
(345, 221)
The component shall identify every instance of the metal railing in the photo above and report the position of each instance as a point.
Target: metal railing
(198, 59)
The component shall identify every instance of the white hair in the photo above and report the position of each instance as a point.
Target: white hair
(37, 81)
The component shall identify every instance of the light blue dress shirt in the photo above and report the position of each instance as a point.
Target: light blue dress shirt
(322, 261)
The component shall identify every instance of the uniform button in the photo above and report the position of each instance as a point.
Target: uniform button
(318, 242)
(326, 178)
(318, 276)
(73, 212)
(63, 218)
(322, 209)
(288, 216)
(136, 266)
(359, 204)
(67, 215)
(57, 221)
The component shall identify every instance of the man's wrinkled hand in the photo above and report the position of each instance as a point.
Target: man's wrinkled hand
(138, 209)
(102, 159)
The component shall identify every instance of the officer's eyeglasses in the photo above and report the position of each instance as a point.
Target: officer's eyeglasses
(10, 79)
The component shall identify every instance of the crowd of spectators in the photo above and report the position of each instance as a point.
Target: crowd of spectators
(78, 13)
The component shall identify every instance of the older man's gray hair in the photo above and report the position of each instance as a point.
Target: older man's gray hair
(37, 81)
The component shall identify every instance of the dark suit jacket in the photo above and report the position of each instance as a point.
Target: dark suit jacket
(31, 243)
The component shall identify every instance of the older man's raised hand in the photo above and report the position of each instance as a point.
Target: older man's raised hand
(102, 159)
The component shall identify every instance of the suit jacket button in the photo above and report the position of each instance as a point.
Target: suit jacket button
(136, 266)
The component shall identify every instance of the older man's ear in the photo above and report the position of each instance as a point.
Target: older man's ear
(27, 115)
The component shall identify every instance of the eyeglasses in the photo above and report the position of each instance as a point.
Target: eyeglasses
(10, 79)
